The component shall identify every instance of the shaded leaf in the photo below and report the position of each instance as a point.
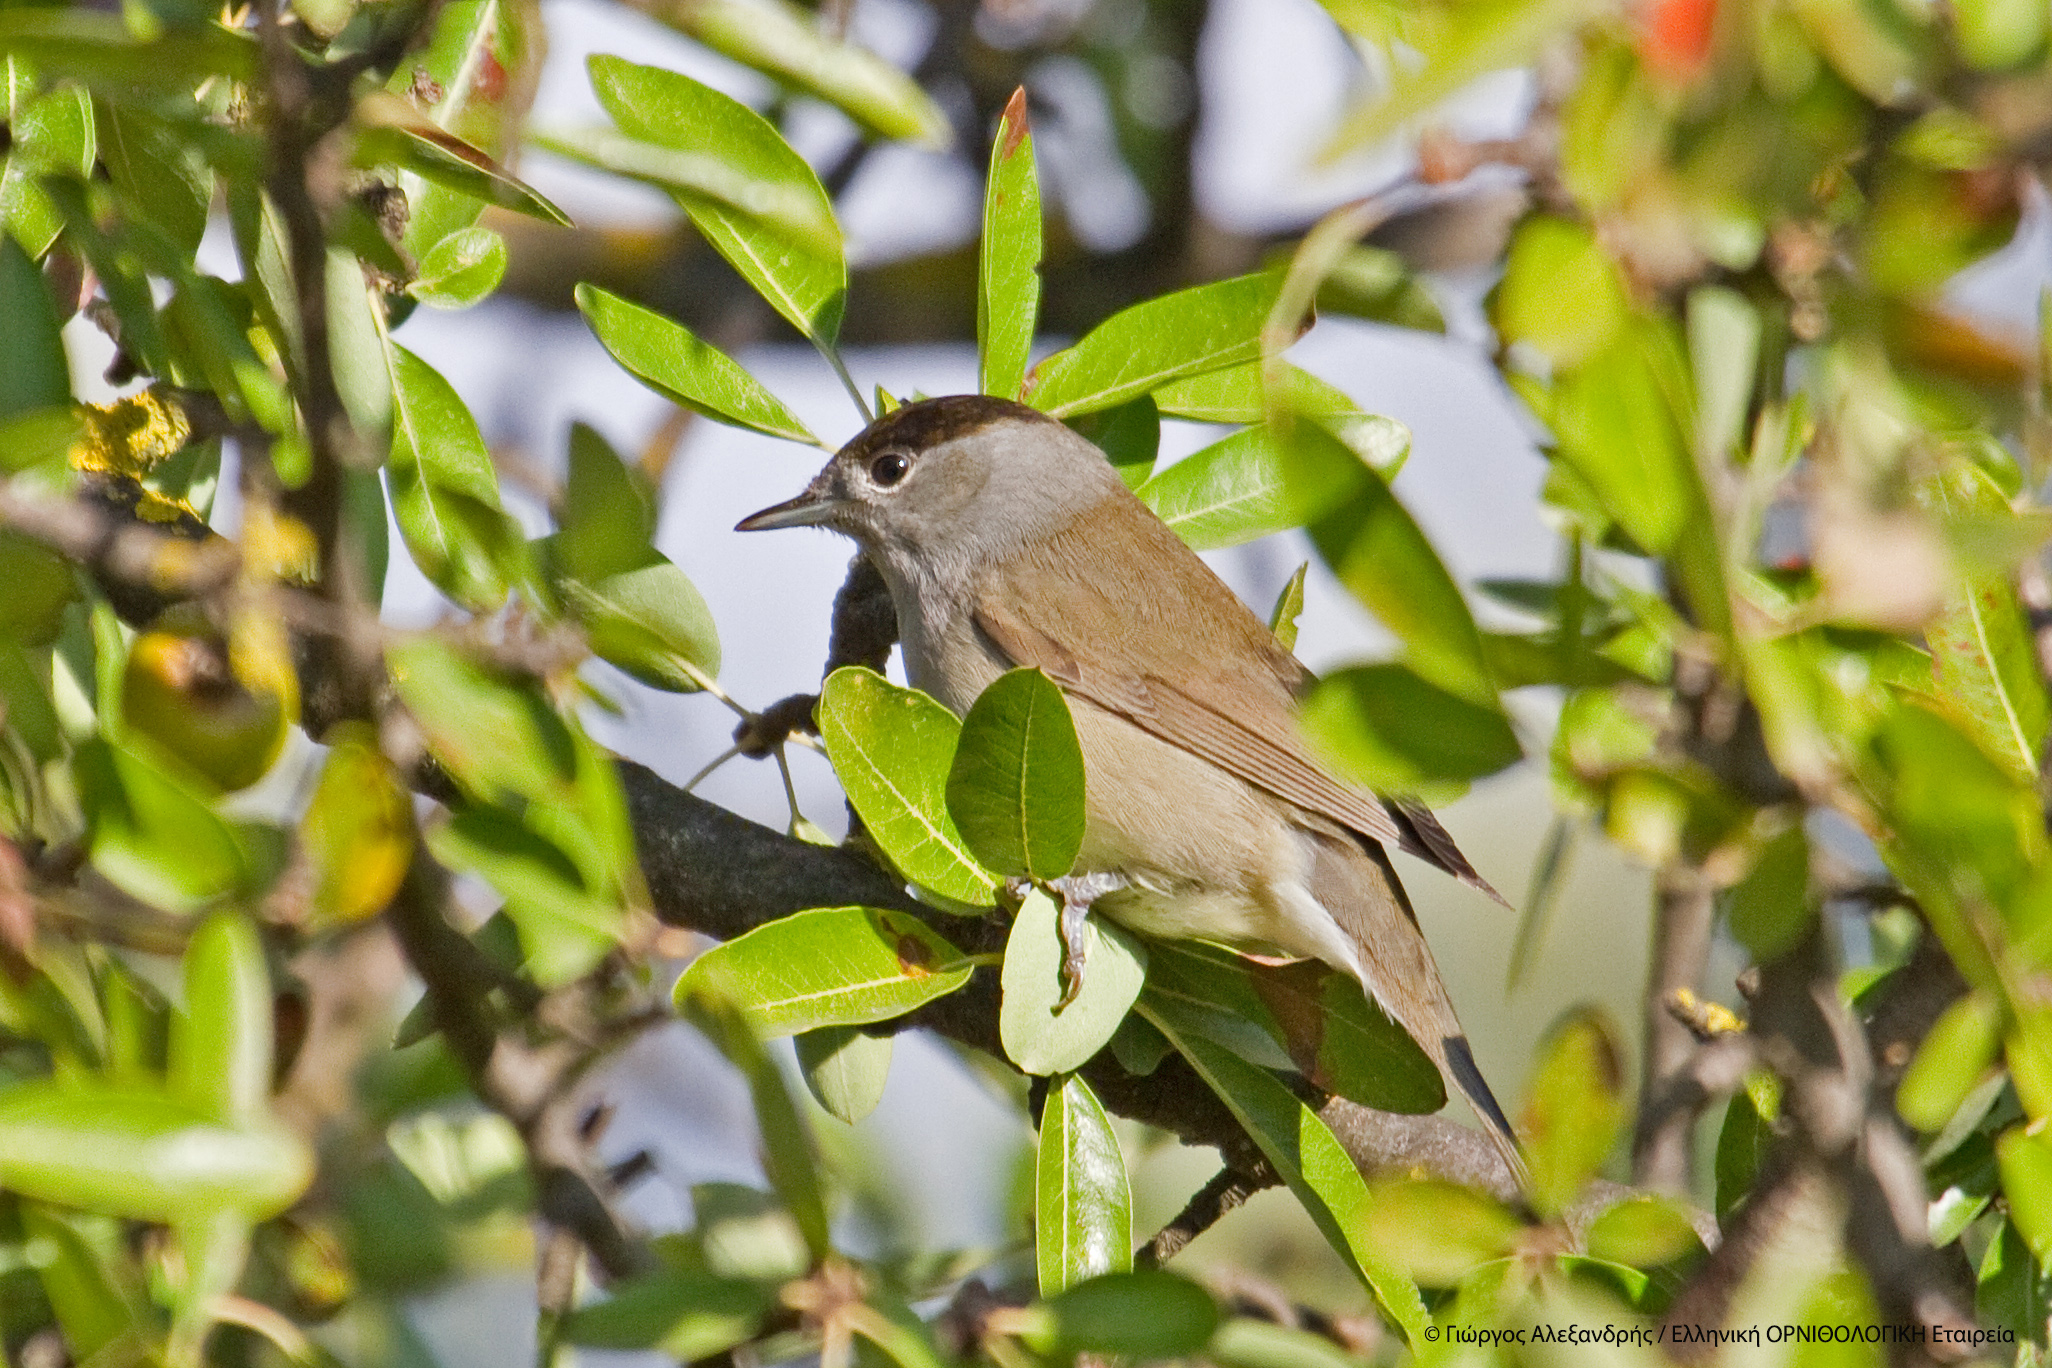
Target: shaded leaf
(33, 371)
(1951, 1061)
(831, 966)
(651, 622)
(1150, 1315)
(686, 1314)
(1247, 486)
(499, 738)
(565, 927)
(1388, 729)
(1129, 435)
(1439, 1232)
(1040, 1037)
(151, 836)
(1015, 786)
(1575, 1109)
(392, 131)
(789, 1155)
(1310, 1160)
(845, 1069)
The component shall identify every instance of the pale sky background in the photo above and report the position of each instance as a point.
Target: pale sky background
(1275, 75)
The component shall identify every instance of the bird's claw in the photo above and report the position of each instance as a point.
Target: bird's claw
(1078, 892)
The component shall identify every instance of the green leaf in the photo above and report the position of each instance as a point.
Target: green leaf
(1310, 1160)
(53, 134)
(33, 371)
(1643, 1232)
(498, 738)
(221, 1042)
(1041, 1037)
(787, 210)
(1128, 435)
(845, 1069)
(1770, 907)
(1982, 650)
(1377, 550)
(1439, 1232)
(1386, 728)
(1082, 1203)
(1247, 1343)
(1008, 271)
(1247, 486)
(1951, 1062)
(1993, 34)
(1561, 294)
(1575, 1110)
(393, 132)
(685, 1314)
(157, 168)
(152, 837)
(1015, 787)
(88, 1278)
(471, 85)
(1150, 1315)
(565, 927)
(682, 368)
(97, 48)
(2012, 1288)
(831, 966)
(651, 622)
(1743, 1141)
(607, 512)
(788, 1153)
(891, 749)
(1150, 344)
(2026, 1163)
(1724, 349)
(1289, 605)
(1378, 285)
(461, 269)
(142, 1153)
(804, 283)
(359, 352)
(785, 42)
(441, 478)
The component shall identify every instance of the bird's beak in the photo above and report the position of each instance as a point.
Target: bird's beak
(809, 509)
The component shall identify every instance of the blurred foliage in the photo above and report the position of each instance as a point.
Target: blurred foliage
(1797, 632)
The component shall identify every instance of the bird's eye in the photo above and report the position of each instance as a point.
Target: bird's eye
(889, 468)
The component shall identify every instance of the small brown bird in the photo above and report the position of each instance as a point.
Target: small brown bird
(1008, 540)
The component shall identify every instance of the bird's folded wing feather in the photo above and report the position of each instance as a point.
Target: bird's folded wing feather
(1252, 737)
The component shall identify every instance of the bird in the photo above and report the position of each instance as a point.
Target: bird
(1006, 540)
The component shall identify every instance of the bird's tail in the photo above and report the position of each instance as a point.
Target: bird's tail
(1356, 884)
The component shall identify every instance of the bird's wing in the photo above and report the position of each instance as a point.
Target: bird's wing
(1246, 730)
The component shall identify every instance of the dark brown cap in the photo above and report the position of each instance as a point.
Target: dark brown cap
(930, 422)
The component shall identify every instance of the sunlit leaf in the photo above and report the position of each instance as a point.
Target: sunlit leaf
(1008, 275)
(444, 489)
(1575, 1109)
(1141, 348)
(221, 1043)
(667, 358)
(1389, 729)
(461, 269)
(804, 282)
(891, 749)
(144, 1153)
(1083, 1219)
(831, 966)
(785, 42)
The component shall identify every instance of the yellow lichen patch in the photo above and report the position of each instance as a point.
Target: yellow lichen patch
(279, 544)
(152, 507)
(130, 436)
